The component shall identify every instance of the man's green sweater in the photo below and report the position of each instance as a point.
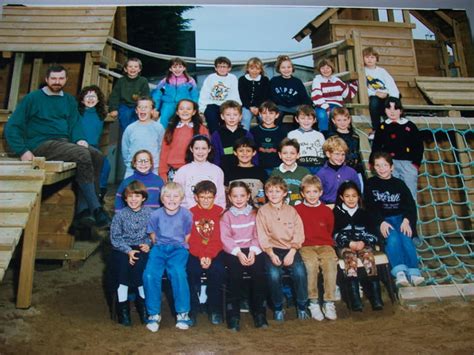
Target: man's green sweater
(41, 117)
(127, 91)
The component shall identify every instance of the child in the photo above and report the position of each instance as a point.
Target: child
(268, 136)
(310, 140)
(292, 174)
(205, 248)
(355, 238)
(318, 248)
(281, 234)
(142, 134)
(392, 207)
(92, 109)
(329, 92)
(402, 140)
(142, 163)
(169, 228)
(130, 247)
(254, 89)
(287, 91)
(217, 88)
(176, 86)
(253, 176)
(198, 168)
(243, 254)
(127, 90)
(183, 126)
(380, 85)
(335, 171)
(223, 139)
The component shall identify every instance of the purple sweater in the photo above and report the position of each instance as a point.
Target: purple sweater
(332, 179)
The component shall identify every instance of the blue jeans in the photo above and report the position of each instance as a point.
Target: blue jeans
(297, 273)
(406, 171)
(400, 249)
(212, 114)
(323, 117)
(126, 115)
(247, 116)
(377, 110)
(173, 259)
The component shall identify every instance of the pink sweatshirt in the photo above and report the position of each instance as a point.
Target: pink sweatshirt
(239, 231)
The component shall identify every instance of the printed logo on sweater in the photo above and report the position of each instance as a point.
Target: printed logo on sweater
(219, 91)
(286, 92)
(205, 227)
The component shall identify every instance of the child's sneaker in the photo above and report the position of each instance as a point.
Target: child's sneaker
(153, 323)
(301, 314)
(315, 311)
(279, 316)
(329, 310)
(401, 279)
(417, 280)
(183, 321)
(337, 294)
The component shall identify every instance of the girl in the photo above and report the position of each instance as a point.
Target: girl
(329, 92)
(392, 207)
(177, 85)
(92, 109)
(183, 126)
(198, 154)
(355, 238)
(254, 89)
(142, 165)
(131, 244)
(243, 254)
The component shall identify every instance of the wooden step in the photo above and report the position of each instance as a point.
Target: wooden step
(13, 219)
(5, 257)
(21, 186)
(20, 173)
(49, 166)
(17, 204)
(9, 238)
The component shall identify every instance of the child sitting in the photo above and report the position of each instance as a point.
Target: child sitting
(130, 247)
(318, 248)
(281, 234)
(311, 141)
(355, 238)
(169, 228)
(205, 248)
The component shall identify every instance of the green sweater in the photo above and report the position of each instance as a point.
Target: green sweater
(40, 117)
(293, 180)
(127, 91)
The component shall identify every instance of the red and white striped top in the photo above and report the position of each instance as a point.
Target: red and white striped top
(332, 90)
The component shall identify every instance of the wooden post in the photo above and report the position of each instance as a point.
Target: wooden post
(36, 73)
(459, 50)
(87, 76)
(390, 16)
(467, 171)
(16, 78)
(359, 67)
(406, 16)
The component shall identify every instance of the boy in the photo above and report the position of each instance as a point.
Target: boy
(142, 134)
(217, 88)
(205, 249)
(310, 140)
(292, 174)
(254, 176)
(127, 90)
(380, 85)
(318, 248)
(169, 229)
(281, 233)
(223, 138)
(335, 171)
(268, 136)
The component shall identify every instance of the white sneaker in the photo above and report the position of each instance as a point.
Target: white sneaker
(315, 311)
(417, 280)
(183, 321)
(329, 310)
(401, 279)
(337, 294)
(153, 323)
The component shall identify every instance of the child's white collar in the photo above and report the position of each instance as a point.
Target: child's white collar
(401, 121)
(307, 204)
(181, 124)
(248, 77)
(351, 211)
(283, 170)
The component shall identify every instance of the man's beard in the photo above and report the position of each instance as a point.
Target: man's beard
(55, 88)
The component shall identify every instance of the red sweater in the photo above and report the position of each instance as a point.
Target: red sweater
(318, 224)
(205, 239)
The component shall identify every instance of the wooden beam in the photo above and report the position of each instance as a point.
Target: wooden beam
(467, 170)
(446, 18)
(7, 54)
(16, 79)
(390, 15)
(36, 73)
(435, 293)
(406, 16)
(459, 49)
(87, 76)
(359, 68)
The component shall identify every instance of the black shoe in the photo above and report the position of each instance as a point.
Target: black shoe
(102, 193)
(356, 302)
(260, 321)
(234, 324)
(101, 218)
(244, 305)
(83, 219)
(141, 309)
(123, 313)
(375, 295)
(215, 318)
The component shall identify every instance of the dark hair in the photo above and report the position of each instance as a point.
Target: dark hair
(378, 155)
(289, 142)
(245, 142)
(134, 159)
(200, 137)
(135, 187)
(55, 68)
(396, 101)
(239, 183)
(222, 60)
(230, 104)
(347, 185)
(205, 186)
(305, 110)
(196, 120)
(269, 106)
(100, 107)
(177, 61)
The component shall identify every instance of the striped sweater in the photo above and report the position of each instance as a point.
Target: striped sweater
(331, 91)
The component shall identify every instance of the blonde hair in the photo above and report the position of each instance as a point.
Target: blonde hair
(276, 181)
(170, 187)
(311, 180)
(255, 62)
(280, 59)
(335, 143)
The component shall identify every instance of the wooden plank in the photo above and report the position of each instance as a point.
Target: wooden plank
(61, 19)
(359, 68)
(87, 72)
(359, 23)
(56, 11)
(446, 86)
(53, 40)
(73, 26)
(5, 257)
(57, 47)
(414, 295)
(21, 173)
(52, 178)
(443, 79)
(81, 251)
(15, 81)
(55, 241)
(11, 219)
(53, 166)
(467, 172)
(21, 186)
(36, 73)
(9, 238)
(17, 205)
(53, 32)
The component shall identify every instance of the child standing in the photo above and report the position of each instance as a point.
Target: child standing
(318, 248)
(355, 238)
(142, 134)
(311, 141)
(130, 247)
(243, 254)
(217, 88)
(281, 234)
(205, 248)
(391, 205)
(254, 89)
(176, 86)
(198, 168)
(289, 171)
(127, 90)
(183, 126)
(169, 229)
(142, 163)
(403, 141)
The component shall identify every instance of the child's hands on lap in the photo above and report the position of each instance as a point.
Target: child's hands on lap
(243, 258)
(251, 258)
(205, 262)
(385, 229)
(113, 114)
(289, 258)
(405, 227)
(132, 257)
(356, 246)
(144, 248)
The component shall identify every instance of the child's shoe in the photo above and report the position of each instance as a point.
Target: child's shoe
(401, 280)
(153, 323)
(123, 313)
(315, 311)
(234, 324)
(141, 309)
(301, 314)
(183, 321)
(329, 310)
(215, 318)
(260, 320)
(279, 316)
(417, 280)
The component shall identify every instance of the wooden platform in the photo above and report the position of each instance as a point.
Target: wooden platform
(435, 293)
(451, 91)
